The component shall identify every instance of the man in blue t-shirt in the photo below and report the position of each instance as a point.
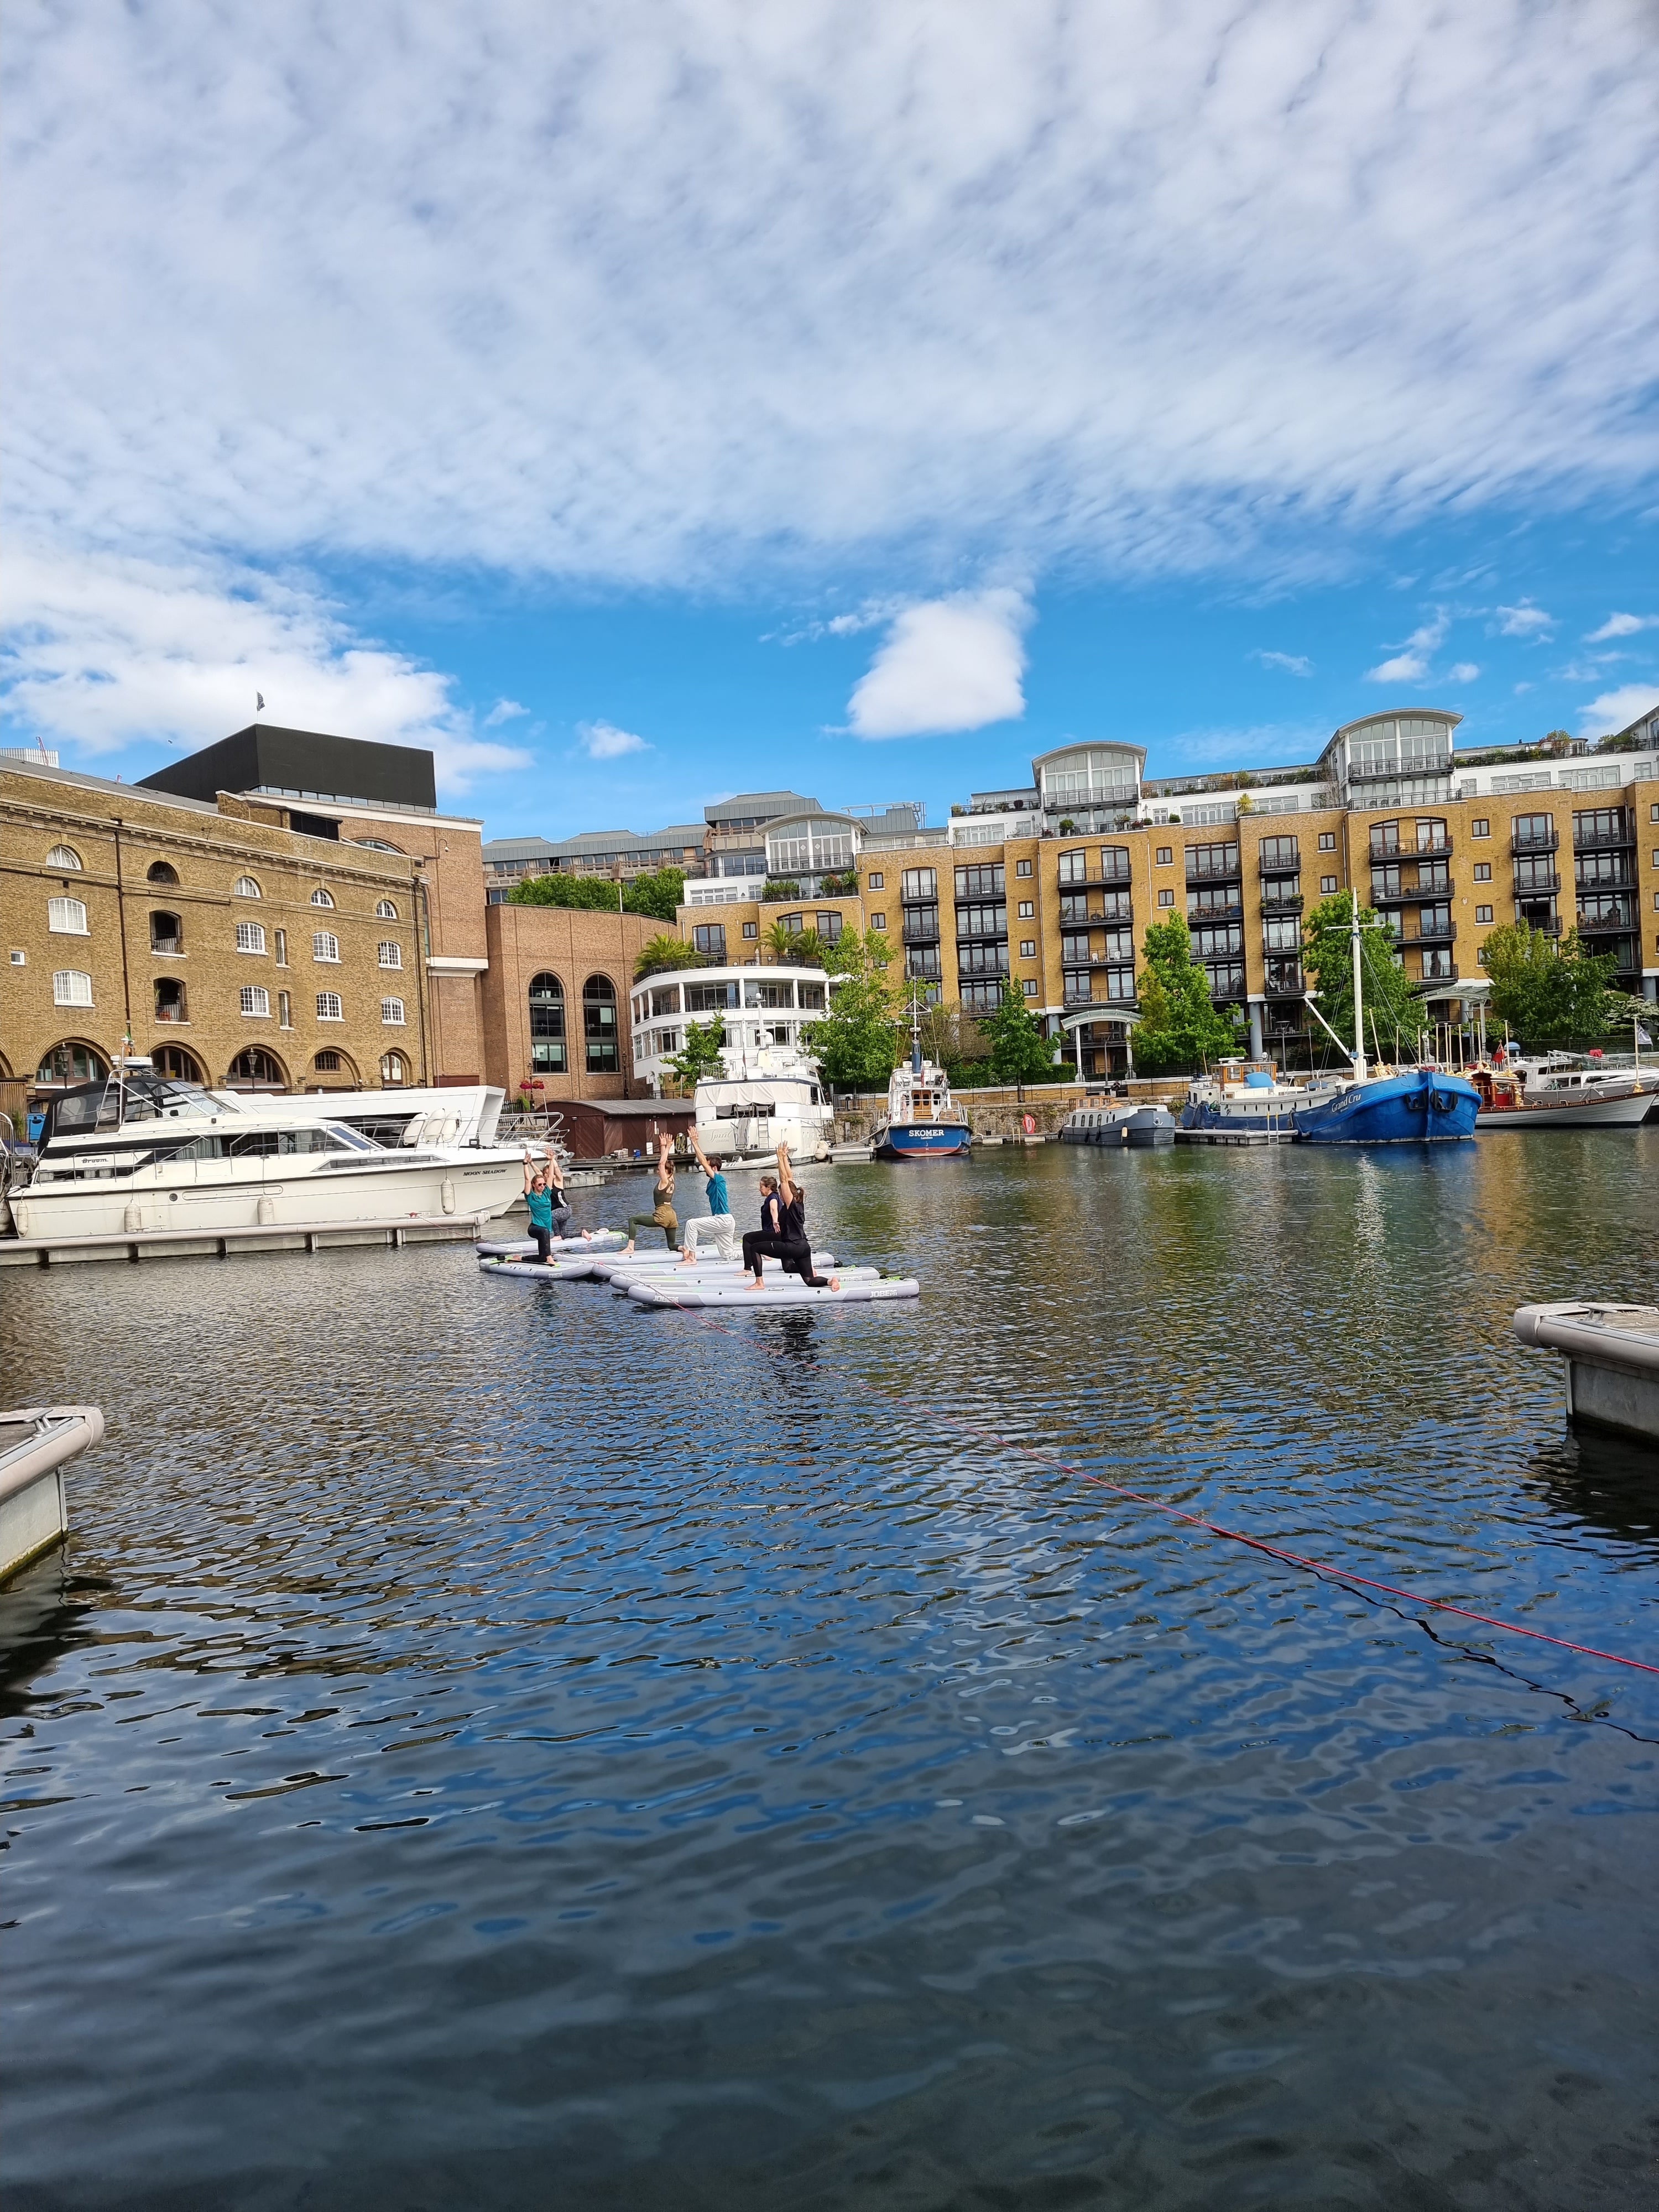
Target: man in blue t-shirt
(718, 1229)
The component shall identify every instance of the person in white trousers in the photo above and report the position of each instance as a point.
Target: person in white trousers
(716, 1227)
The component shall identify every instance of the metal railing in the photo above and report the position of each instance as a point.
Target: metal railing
(1281, 903)
(1227, 909)
(1602, 841)
(1202, 869)
(1535, 841)
(1438, 933)
(1438, 887)
(1536, 886)
(1383, 855)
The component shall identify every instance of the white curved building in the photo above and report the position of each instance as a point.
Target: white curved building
(764, 1008)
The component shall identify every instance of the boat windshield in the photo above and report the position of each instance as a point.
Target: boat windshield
(116, 1100)
(354, 1140)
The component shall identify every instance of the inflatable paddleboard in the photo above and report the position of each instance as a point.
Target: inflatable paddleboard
(515, 1247)
(658, 1263)
(792, 1291)
(724, 1277)
(532, 1270)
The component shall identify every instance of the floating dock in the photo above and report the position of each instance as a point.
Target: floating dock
(36, 1444)
(225, 1243)
(1612, 1353)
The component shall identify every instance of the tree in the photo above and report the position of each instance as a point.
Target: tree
(801, 948)
(952, 1039)
(703, 1053)
(597, 894)
(657, 894)
(1548, 992)
(773, 891)
(857, 1042)
(1019, 1051)
(1180, 1029)
(658, 954)
(1395, 1016)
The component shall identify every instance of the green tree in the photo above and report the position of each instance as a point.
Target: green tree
(1019, 1051)
(702, 1054)
(597, 894)
(1549, 993)
(658, 954)
(801, 948)
(772, 892)
(657, 895)
(1180, 1029)
(1395, 1016)
(857, 1042)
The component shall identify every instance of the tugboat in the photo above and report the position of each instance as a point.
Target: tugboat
(921, 1122)
(1415, 1106)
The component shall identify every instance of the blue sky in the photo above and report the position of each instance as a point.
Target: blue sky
(639, 404)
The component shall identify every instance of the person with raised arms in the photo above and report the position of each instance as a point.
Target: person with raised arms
(718, 1228)
(543, 1194)
(662, 1215)
(782, 1233)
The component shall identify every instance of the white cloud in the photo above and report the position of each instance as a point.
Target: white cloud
(106, 652)
(951, 664)
(1293, 664)
(604, 741)
(504, 710)
(1463, 671)
(654, 292)
(1621, 626)
(1616, 710)
(1524, 620)
(1411, 663)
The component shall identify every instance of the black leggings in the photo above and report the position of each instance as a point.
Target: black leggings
(544, 1237)
(793, 1258)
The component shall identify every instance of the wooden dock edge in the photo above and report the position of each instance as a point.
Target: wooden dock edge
(225, 1243)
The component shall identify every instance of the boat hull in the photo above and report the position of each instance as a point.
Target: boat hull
(1421, 1108)
(922, 1140)
(1136, 1127)
(1628, 1112)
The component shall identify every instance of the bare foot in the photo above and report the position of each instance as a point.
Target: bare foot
(627, 1252)
(834, 1282)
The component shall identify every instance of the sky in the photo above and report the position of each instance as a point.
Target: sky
(636, 406)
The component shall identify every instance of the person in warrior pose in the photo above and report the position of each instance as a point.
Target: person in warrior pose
(543, 1194)
(662, 1215)
(719, 1229)
(782, 1233)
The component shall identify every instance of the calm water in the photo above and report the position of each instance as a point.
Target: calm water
(495, 1747)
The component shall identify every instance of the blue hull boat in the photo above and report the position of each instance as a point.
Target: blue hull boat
(922, 1140)
(1422, 1107)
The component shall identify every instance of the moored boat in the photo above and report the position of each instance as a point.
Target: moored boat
(1417, 1106)
(1115, 1123)
(1524, 1095)
(921, 1123)
(1247, 1101)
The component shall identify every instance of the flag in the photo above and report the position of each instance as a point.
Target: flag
(259, 708)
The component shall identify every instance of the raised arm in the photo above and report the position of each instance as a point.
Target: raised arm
(529, 1169)
(555, 1172)
(786, 1181)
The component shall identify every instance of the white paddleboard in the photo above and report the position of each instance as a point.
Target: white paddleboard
(721, 1276)
(792, 1291)
(659, 1263)
(532, 1270)
(514, 1248)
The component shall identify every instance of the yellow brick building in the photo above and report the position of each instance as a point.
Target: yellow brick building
(1051, 886)
(234, 950)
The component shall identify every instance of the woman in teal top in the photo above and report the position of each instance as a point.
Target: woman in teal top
(548, 1211)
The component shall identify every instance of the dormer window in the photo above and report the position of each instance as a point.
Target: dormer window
(320, 897)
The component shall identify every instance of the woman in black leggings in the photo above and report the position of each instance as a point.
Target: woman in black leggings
(782, 1233)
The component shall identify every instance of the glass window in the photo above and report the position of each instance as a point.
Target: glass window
(285, 1009)
(257, 1066)
(983, 882)
(1328, 841)
(329, 1008)
(875, 881)
(67, 917)
(879, 922)
(392, 955)
(327, 1063)
(752, 929)
(281, 948)
(62, 857)
(919, 883)
(1028, 948)
(1028, 910)
(1483, 872)
(256, 1000)
(325, 945)
(159, 872)
(547, 1046)
(392, 1014)
(1283, 854)
(1481, 827)
(1030, 986)
(394, 1069)
(385, 911)
(320, 897)
(1165, 855)
(246, 887)
(1166, 898)
(709, 939)
(1022, 867)
(1483, 914)
(599, 1025)
(829, 926)
(71, 987)
(1073, 868)
(250, 937)
(1327, 886)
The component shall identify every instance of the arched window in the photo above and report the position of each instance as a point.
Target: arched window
(71, 986)
(62, 857)
(599, 1025)
(385, 911)
(547, 1050)
(328, 1063)
(376, 845)
(392, 1014)
(159, 872)
(246, 887)
(394, 1069)
(172, 1060)
(320, 897)
(256, 1069)
(171, 1004)
(167, 932)
(71, 1063)
(67, 917)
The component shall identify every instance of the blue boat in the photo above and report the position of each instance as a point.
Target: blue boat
(918, 1105)
(1421, 1106)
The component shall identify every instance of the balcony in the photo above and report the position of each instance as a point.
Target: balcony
(1228, 907)
(1284, 902)
(919, 929)
(1421, 849)
(1531, 887)
(1439, 967)
(1267, 865)
(1431, 932)
(1285, 979)
(1118, 880)
(1385, 893)
(1605, 841)
(1535, 841)
(1076, 998)
(1227, 983)
(1548, 925)
(1607, 925)
(1201, 870)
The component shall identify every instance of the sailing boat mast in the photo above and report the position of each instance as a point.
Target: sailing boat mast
(1359, 1003)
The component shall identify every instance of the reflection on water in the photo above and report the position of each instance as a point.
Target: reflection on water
(495, 1746)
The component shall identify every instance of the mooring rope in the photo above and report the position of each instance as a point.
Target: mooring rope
(1216, 1528)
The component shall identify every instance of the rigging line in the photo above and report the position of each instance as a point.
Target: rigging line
(1236, 1535)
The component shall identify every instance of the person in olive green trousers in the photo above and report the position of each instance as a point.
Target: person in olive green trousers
(662, 1215)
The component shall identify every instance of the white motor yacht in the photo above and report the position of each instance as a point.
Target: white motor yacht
(775, 1099)
(138, 1151)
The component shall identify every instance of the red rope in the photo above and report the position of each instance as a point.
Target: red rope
(1233, 1535)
